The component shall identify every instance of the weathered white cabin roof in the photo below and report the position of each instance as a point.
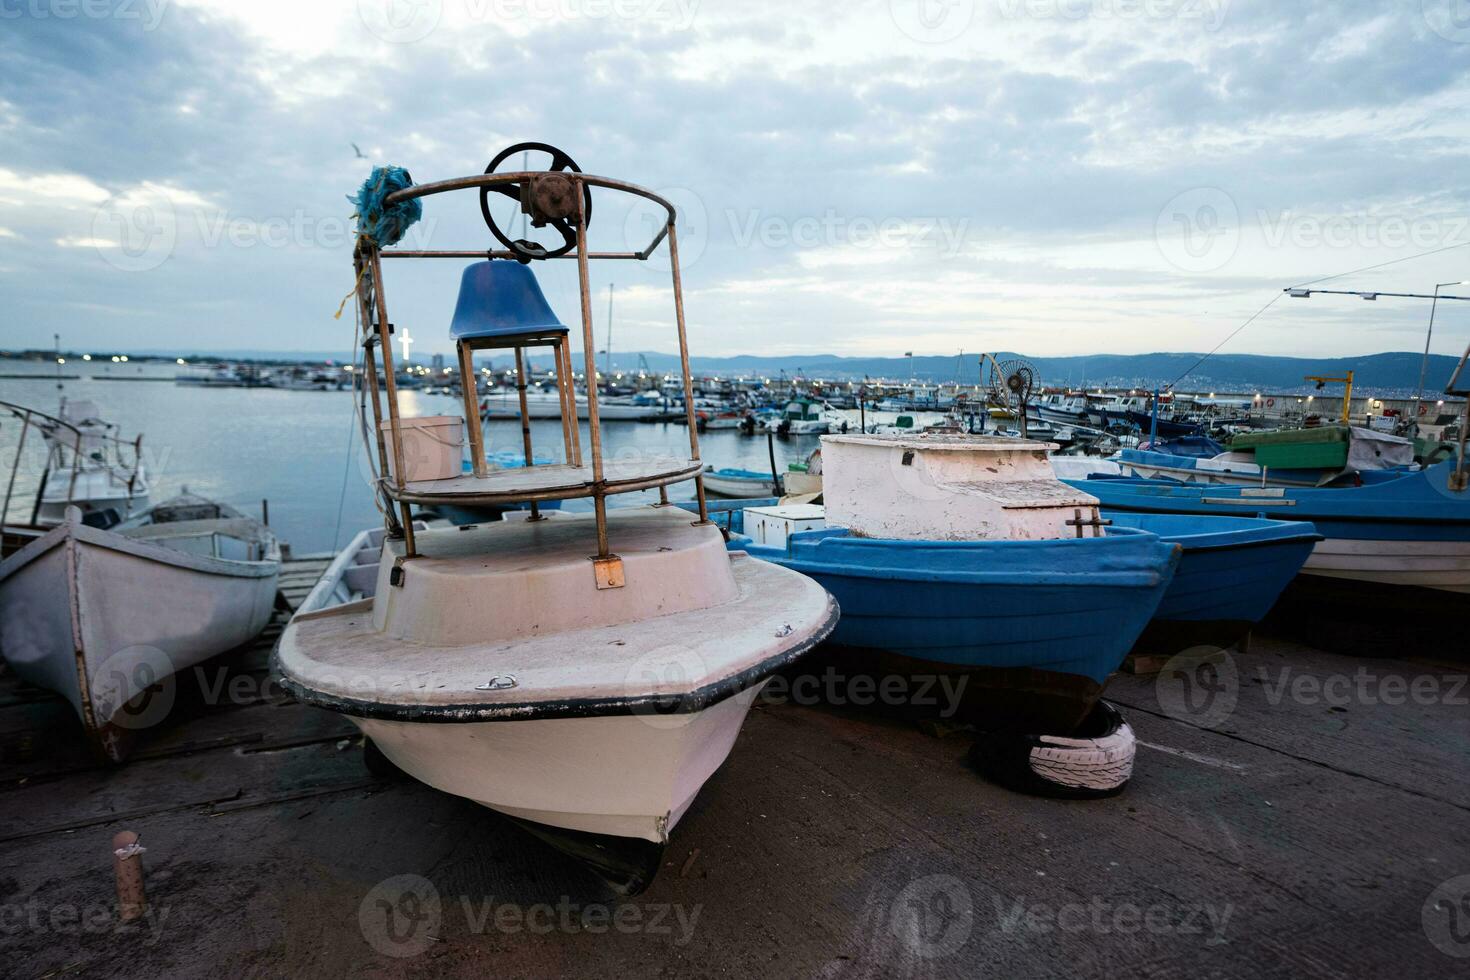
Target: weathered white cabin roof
(948, 487)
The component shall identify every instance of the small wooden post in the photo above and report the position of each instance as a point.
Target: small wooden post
(471, 408)
(127, 869)
(525, 421)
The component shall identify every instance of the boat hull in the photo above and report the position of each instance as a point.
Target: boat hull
(1396, 528)
(1443, 565)
(573, 773)
(740, 486)
(101, 620)
(1034, 627)
(1231, 573)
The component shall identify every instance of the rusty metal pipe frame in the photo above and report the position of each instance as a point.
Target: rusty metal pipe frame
(391, 385)
(371, 382)
(525, 421)
(579, 180)
(568, 421)
(556, 493)
(684, 366)
(469, 394)
(498, 253)
(600, 489)
(25, 426)
(589, 354)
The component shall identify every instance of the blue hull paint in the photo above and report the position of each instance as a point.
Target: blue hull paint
(1388, 505)
(1233, 569)
(1070, 606)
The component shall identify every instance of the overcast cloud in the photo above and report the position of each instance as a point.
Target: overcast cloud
(1047, 176)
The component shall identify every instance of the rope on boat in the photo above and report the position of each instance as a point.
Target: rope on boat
(380, 224)
(385, 225)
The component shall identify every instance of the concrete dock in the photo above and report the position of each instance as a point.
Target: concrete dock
(1295, 813)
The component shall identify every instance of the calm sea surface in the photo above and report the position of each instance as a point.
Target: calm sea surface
(299, 449)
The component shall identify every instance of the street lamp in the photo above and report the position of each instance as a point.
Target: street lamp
(1429, 335)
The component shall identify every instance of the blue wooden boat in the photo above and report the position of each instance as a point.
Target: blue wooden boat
(1232, 571)
(985, 570)
(1385, 527)
(1045, 621)
(732, 482)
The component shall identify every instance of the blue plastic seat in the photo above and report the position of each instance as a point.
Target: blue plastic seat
(502, 299)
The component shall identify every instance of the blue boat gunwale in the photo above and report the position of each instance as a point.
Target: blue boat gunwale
(1260, 531)
(835, 551)
(736, 473)
(1411, 498)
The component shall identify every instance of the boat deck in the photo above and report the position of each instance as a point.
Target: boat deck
(554, 481)
(1295, 838)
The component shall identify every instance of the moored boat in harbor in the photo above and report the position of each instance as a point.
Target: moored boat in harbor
(87, 465)
(959, 554)
(101, 617)
(1388, 527)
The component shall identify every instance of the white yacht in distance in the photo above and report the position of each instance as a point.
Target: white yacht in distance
(87, 465)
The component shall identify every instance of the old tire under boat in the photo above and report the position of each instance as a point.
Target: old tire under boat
(1096, 761)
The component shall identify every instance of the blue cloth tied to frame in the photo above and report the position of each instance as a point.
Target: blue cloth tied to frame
(385, 225)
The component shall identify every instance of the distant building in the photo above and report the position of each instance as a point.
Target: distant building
(438, 363)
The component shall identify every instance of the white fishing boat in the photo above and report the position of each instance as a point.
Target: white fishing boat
(100, 617)
(87, 465)
(585, 675)
(730, 481)
(546, 404)
(801, 417)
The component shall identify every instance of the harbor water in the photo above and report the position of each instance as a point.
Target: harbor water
(302, 450)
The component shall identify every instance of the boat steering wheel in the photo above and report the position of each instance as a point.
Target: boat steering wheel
(548, 200)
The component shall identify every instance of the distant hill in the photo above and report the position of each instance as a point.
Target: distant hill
(1396, 370)
(1240, 372)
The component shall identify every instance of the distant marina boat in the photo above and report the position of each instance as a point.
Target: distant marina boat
(1307, 457)
(733, 482)
(543, 404)
(101, 617)
(1387, 527)
(87, 466)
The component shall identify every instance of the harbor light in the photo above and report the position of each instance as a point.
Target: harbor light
(114, 358)
(61, 360)
(86, 357)
(178, 360)
(123, 358)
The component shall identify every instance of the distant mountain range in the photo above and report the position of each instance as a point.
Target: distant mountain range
(1398, 370)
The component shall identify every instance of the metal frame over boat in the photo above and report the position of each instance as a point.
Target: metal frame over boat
(524, 664)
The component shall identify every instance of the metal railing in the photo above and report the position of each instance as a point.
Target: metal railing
(66, 452)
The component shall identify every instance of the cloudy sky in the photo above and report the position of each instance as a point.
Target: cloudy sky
(867, 177)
